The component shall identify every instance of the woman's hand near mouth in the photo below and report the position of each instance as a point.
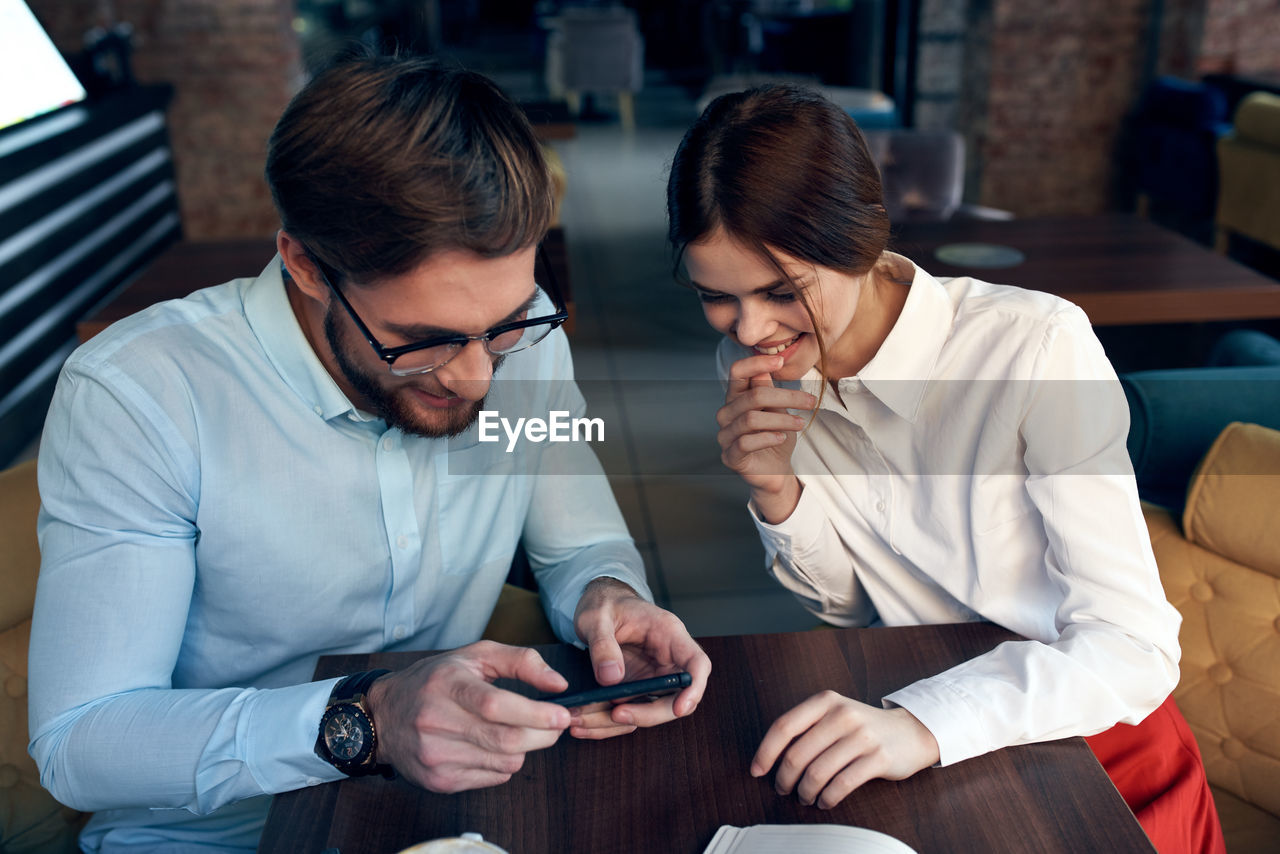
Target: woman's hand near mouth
(758, 435)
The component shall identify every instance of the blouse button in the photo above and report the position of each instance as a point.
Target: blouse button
(1220, 673)
(388, 443)
(1201, 591)
(879, 506)
(1233, 748)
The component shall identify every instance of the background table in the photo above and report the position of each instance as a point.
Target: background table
(669, 788)
(1120, 269)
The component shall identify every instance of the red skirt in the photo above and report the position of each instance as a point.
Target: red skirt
(1156, 766)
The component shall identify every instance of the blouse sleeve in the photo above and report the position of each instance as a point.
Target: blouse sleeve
(1115, 657)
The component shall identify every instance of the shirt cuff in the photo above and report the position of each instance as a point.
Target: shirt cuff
(799, 532)
(947, 714)
(286, 722)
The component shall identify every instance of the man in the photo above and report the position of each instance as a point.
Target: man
(282, 467)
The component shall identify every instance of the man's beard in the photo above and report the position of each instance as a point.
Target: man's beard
(391, 406)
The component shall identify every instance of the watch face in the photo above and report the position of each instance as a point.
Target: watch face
(344, 736)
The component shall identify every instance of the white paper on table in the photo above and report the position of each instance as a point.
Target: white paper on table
(809, 838)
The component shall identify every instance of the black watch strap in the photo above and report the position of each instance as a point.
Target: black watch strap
(350, 687)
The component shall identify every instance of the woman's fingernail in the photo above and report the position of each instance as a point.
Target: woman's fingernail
(756, 770)
(611, 670)
(624, 717)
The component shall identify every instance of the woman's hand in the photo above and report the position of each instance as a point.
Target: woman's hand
(757, 435)
(831, 745)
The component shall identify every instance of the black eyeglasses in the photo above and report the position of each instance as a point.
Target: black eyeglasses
(422, 357)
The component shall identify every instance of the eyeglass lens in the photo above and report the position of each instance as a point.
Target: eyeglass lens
(420, 361)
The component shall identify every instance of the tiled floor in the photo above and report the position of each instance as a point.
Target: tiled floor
(645, 358)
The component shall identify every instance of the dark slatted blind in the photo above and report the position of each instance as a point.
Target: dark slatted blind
(87, 198)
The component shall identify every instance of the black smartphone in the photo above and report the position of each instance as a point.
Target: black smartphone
(641, 690)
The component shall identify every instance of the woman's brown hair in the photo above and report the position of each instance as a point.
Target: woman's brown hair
(779, 168)
(381, 161)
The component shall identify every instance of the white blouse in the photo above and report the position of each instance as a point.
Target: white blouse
(976, 469)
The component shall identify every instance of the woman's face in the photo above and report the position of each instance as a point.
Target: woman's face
(744, 298)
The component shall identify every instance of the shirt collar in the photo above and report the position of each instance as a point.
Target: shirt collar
(271, 317)
(899, 371)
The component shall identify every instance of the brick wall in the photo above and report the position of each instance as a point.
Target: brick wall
(1241, 36)
(234, 65)
(1041, 90)
(1062, 78)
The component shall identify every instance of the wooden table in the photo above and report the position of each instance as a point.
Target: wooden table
(1120, 269)
(669, 788)
(190, 265)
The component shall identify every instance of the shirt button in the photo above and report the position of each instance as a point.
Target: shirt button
(388, 443)
(402, 541)
(400, 633)
(879, 506)
(319, 410)
(313, 781)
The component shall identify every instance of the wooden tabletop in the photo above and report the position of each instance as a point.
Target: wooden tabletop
(669, 788)
(1119, 268)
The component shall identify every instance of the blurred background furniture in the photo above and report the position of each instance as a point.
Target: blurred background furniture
(87, 198)
(1174, 134)
(30, 819)
(870, 108)
(1221, 570)
(923, 176)
(1175, 414)
(1249, 164)
(595, 50)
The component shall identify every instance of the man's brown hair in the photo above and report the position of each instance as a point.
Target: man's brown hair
(379, 162)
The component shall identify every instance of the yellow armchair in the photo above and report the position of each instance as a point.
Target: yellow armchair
(1221, 570)
(1249, 173)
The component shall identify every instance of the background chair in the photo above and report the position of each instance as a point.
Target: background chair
(923, 175)
(1173, 156)
(596, 50)
(1175, 414)
(1249, 172)
(1221, 570)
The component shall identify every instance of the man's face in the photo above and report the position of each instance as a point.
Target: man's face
(452, 291)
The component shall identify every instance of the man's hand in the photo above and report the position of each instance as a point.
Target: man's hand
(630, 638)
(443, 726)
(831, 745)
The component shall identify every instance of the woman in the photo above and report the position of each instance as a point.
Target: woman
(921, 451)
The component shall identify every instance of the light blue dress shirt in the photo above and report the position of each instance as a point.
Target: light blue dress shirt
(217, 515)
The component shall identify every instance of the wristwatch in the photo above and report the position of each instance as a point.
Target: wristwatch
(347, 739)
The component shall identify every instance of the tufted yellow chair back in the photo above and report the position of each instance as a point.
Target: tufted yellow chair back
(1223, 575)
(30, 819)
